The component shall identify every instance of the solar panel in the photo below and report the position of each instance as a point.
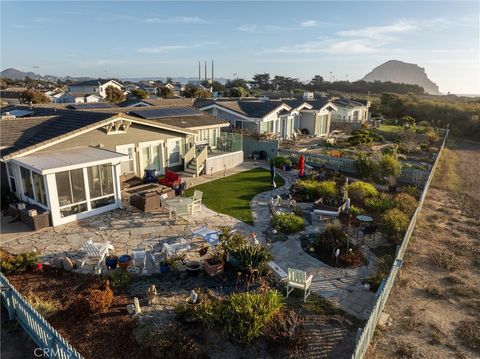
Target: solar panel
(166, 112)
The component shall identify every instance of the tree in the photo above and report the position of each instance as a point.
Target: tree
(283, 83)
(237, 92)
(114, 94)
(165, 92)
(316, 83)
(408, 121)
(139, 93)
(236, 83)
(33, 96)
(389, 166)
(261, 81)
(169, 80)
(196, 92)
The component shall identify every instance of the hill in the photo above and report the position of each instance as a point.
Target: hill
(15, 74)
(402, 72)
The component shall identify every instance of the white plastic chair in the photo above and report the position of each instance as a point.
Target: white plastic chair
(175, 248)
(96, 250)
(298, 279)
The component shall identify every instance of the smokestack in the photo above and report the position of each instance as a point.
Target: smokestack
(199, 71)
(206, 71)
(212, 72)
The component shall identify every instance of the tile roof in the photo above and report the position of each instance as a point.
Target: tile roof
(249, 108)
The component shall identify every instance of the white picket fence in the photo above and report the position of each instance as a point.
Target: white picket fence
(365, 335)
(49, 341)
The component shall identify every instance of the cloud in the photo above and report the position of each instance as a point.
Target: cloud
(379, 32)
(170, 48)
(247, 28)
(331, 46)
(42, 19)
(308, 23)
(178, 19)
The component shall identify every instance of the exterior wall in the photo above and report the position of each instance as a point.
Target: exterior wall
(347, 114)
(307, 121)
(135, 135)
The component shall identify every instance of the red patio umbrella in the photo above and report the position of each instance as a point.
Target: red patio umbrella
(301, 165)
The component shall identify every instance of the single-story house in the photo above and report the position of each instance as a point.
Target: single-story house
(356, 111)
(69, 162)
(81, 97)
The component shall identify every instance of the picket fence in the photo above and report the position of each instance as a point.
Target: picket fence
(365, 335)
(50, 342)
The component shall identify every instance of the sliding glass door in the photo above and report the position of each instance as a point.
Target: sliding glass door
(151, 156)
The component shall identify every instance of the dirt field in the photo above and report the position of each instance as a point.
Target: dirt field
(434, 307)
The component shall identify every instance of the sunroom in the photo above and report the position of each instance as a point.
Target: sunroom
(71, 184)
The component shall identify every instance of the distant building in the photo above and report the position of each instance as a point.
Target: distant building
(97, 87)
(352, 111)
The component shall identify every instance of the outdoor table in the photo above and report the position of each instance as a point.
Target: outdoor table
(364, 220)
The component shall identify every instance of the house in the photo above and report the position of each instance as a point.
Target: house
(69, 162)
(96, 87)
(81, 97)
(150, 102)
(280, 117)
(351, 111)
(57, 95)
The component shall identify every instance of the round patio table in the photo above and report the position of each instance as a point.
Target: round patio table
(365, 219)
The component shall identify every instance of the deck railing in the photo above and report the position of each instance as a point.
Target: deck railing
(201, 158)
(364, 336)
(50, 342)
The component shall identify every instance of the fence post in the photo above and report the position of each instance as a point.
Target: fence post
(9, 300)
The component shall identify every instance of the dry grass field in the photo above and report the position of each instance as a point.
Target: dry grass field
(434, 308)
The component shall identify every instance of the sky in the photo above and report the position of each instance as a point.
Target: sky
(291, 38)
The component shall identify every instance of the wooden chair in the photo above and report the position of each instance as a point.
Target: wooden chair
(181, 210)
(298, 279)
(96, 250)
(370, 230)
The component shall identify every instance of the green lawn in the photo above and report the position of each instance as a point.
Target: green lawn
(232, 195)
(390, 128)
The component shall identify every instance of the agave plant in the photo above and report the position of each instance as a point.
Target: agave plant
(252, 257)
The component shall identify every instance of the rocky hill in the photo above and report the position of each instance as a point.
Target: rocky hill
(15, 74)
(402, 72)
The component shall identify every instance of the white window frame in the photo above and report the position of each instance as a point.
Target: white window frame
(34, 197)
(86, 188)
(91, 199)
(10, 166)
(127, 146)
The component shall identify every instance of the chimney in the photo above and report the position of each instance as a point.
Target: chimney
(205, 70)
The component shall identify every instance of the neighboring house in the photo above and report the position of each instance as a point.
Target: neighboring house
(352, 111)
(150, 102)
(85, 97)
(11, 97)
(177, 88)
(97, 87)
(69, 162)
(280, 117)
(58, 95)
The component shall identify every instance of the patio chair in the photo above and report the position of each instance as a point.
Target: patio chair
(210, 236)
(298, 279)
(369, 231)
(96, 250)
(197, 201)
(181, 210)
(167, 207)
(175, 248)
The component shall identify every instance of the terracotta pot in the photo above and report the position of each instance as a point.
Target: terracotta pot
(213, 269)
(124, 261)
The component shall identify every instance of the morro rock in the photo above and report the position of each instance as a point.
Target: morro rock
(402, 72)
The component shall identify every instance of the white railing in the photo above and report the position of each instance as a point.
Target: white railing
(365, 335)
(189, 155)
(43, 334)
(201, 158)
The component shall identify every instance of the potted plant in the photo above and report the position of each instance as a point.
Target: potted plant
(111, 261)
(124, 261)
(164, 266)
(193, 268)
(202, 251)
(214, 265)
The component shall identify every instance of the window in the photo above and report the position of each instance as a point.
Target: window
(39, 188)
(127, 166)
(26, 182)
(100, 181)
(11, 177)
(151, 156)
(71, 192)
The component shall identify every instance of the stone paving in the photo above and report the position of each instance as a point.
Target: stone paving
(128, 228)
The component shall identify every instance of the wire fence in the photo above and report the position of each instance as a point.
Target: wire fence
(364, 336)
(50, 342)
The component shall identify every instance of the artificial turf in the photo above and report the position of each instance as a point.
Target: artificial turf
(232, 195)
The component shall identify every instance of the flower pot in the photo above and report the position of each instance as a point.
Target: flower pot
(124, 261)
(149, 176)
(111, 262)
(213, 269)
(164, 267)
(193, 269)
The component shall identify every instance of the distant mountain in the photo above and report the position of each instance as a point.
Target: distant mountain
(402, 72)
(15, 74)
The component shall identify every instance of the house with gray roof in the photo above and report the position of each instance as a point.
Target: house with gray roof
(93, 87)
(351, 111)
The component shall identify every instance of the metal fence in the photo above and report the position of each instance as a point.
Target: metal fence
(50, 342)
(412, 176)
(365, 335)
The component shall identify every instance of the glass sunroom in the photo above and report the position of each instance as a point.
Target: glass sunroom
(71, 184)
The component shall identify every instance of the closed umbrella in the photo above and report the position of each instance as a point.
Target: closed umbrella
(301, 166)
(272, 176)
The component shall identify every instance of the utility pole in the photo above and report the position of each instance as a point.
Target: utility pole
(330, 76)
(205, 70)
(199, 72)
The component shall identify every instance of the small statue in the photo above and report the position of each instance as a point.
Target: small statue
(254, 239)
(151, 294)
(136, 306)
(193, 297)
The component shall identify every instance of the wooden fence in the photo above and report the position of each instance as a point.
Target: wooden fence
(50, 342)
(365, 335)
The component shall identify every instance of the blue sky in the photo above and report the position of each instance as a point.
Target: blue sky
(298, 39)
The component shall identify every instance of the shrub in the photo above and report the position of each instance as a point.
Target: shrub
(252, 257)
(287, 327)
(281, 161)
(469, 334)
(381, 271)
(120, 278)
(45, 307)
(334, 231)
(288, 223)
(380, 203)
(389, 165)
(394, 223)
(231, 241)
(411, 190)
(432, 137)
(99, 300)
(243, 316)
(359, 191)
(364, 136)
(356, 211)
(406, 203)
(446, 260)
(310, 189)
(16, 264)
(365, 165)
(390, 150)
